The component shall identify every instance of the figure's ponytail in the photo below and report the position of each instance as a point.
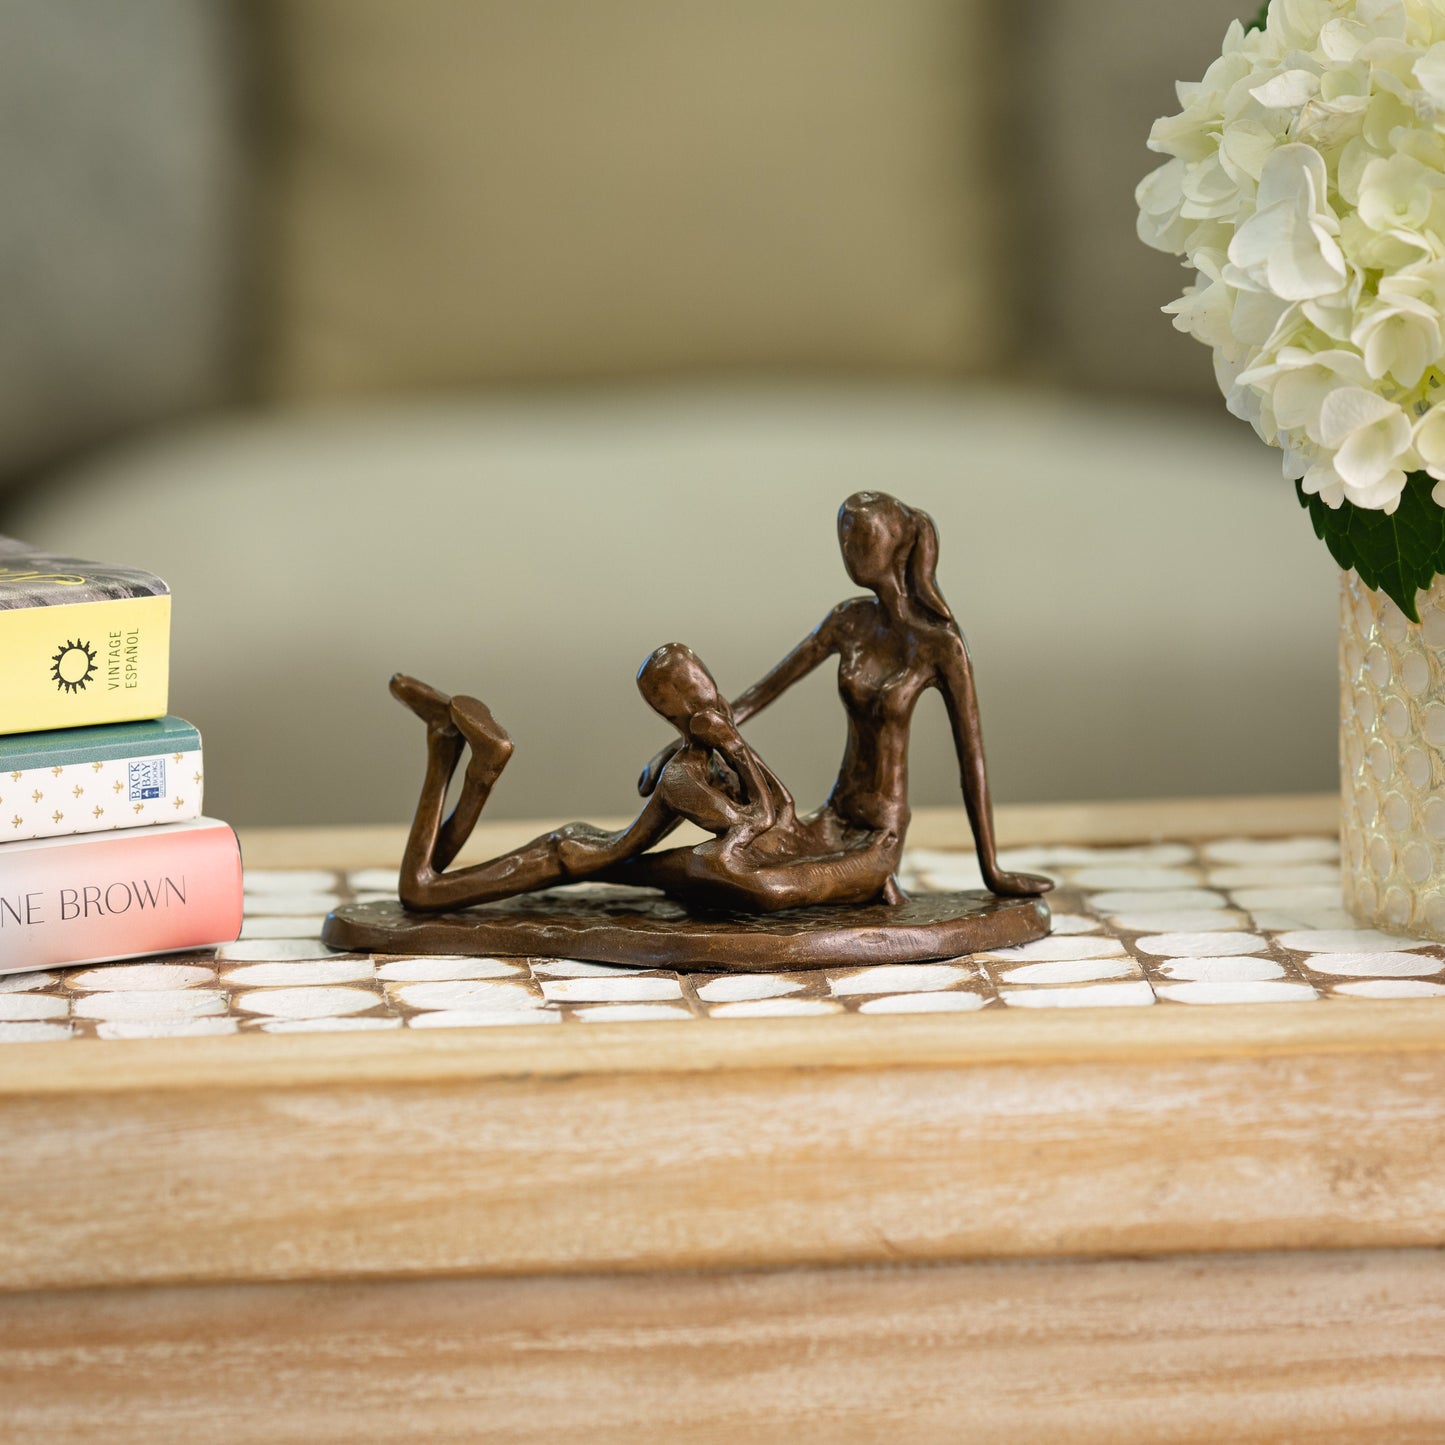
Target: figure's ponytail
(921, 567)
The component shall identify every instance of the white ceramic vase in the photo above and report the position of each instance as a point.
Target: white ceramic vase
(1392, 760)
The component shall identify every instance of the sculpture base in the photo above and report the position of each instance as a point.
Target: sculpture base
(639, 927)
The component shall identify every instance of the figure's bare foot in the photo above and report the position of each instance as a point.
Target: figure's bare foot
(1017, 885)
(490, 744)
(431, 706)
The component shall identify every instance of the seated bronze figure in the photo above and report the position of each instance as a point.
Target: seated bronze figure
(762, 857)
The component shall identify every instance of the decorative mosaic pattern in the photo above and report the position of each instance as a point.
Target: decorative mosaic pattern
(1239, 921)
(1392, 750)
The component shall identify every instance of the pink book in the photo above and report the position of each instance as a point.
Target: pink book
(96, 897)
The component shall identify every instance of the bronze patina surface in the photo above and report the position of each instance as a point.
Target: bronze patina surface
(831, 870)
(621, 925)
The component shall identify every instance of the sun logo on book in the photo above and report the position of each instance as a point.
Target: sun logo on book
(73, 666)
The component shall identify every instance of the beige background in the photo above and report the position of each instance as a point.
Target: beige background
(574, 324)
(579, 190)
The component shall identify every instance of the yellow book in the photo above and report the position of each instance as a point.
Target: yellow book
(81, 643)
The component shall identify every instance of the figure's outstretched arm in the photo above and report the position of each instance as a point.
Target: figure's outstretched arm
(813, 650)
(959, 696)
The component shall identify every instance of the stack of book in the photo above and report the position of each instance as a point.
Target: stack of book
(105, 854)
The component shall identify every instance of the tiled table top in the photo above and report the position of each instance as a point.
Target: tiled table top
(1176, 923)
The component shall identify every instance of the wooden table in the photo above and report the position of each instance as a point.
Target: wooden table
(1165, 1223)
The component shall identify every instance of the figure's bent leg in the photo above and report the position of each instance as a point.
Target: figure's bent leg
(491, 747)
(452, 724)
(444, 745)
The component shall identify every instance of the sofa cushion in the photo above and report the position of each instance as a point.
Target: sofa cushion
(1149, 610)
(479, 191)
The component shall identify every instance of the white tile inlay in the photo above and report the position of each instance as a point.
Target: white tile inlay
(21, 1007)
(960, 870)
(578, 968)
(1200, 945)
(1058, 950)
(1064, 924)
(1312, 897)
(478, 1018)
(1348, 940)
(137, 977)
(272, 950)
(1375, 965)
(1250, 851)
(958, 1000)
(899, 978)
(1078, 855)
(264, 904)
(307, 1003)
(1069, 971)
(1220, 970)
(178, 1003)
(1391, 988)
(1136, 878)
(1180, 920)
(1239, 991)
(958, 878)
(202, 1028)
(1088, 995)
(1285, 920)
(632, 1013)
(610, 990)
(734, 987)
(774, 1008)
(302, 973)
(1310, 875)
(1132, 900)
(34, 1033)
(288, 880)
(437, 968)
(282, 927)
(374, 880)
(25, 982)
(328, 1024)
(467, 994)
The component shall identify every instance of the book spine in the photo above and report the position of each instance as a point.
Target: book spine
(118, 895)
(84, 663)
(99, 797)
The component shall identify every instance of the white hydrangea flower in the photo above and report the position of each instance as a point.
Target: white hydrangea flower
(1304, 185)
(1430, 447)
(1372, 442)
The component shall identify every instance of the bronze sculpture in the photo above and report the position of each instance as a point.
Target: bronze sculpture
(762, 859)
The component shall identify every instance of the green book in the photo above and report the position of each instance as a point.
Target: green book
(93, 779)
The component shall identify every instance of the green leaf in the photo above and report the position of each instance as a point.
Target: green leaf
(1398, 554)
(1260, 20)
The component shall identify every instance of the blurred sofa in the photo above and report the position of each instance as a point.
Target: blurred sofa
(500, 343)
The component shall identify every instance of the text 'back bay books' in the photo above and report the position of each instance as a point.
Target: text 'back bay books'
(81, 643)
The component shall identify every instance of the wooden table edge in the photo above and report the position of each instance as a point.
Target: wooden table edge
(1139, 1036)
